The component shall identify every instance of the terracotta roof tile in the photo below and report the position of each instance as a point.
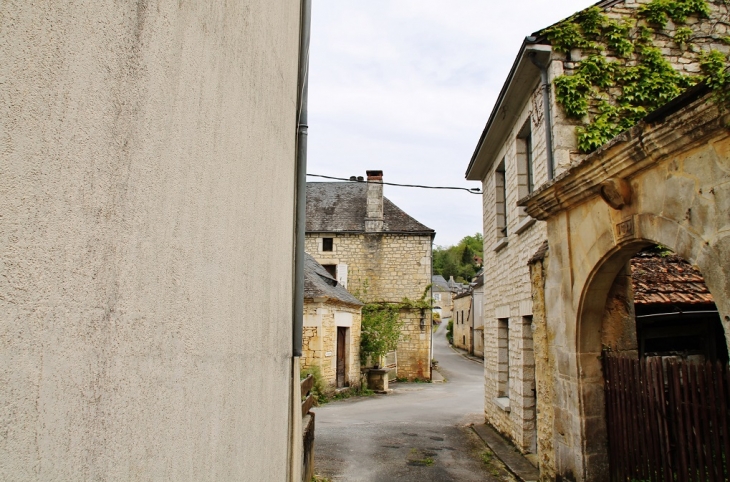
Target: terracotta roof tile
(667, 280)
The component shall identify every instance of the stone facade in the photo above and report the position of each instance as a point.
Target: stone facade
(676, 178)
(145, 327)
(386, 268)
(379, 253)
(321, 322)
(512, 161)
(463, 318)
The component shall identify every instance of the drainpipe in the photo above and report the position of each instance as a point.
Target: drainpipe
(301, 200)
(296, 442)
(548, 115)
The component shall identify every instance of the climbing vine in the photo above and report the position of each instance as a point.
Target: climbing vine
(623, 76)
(381, 325)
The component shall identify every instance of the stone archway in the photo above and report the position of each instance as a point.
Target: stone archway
(590, 321)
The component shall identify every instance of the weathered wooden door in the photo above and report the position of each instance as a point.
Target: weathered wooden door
(341, 356)
(668, 420)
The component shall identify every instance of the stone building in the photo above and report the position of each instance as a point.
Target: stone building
(443, 297)
(378, 252)
(331, 336)
(468, 318)
(528, 142)
(673, 171)
(146, 329)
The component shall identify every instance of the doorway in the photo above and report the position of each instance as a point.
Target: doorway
(342, 337)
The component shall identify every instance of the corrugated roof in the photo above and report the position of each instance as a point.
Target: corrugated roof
(334, 207)
(318, 283)
(667, 280)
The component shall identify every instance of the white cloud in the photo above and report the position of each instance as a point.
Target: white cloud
(407, 85)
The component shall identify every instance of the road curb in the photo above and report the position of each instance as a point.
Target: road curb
(513, 460)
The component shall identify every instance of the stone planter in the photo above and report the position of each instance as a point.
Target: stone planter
(378, 379)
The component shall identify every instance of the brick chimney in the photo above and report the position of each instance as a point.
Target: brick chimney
(374, 213)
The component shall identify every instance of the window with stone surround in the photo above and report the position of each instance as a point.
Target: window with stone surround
(327, 244)
(503, 357)
(525, 180)
(500, 195)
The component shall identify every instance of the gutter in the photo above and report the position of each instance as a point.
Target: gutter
(301, 168)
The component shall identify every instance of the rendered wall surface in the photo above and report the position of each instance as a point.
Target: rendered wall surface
(145, 328)
(387, 268)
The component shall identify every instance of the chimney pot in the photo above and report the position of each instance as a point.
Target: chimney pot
(374, 175)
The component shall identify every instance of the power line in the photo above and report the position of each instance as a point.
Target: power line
(474, 190)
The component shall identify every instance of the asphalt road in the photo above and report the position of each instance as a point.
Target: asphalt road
(420, 432)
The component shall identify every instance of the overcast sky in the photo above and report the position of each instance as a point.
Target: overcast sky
(407, 86)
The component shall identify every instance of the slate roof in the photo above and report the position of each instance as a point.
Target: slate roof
(318, 283)
(340, 207)
(439, 283)
(667, 280)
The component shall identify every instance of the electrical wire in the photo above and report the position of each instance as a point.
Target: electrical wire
(474, 190)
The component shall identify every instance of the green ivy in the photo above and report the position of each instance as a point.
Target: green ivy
(623, 76)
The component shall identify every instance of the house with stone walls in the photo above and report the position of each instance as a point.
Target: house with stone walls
(442, 295)
(468, 318)
(379, 253)
(533, 139)
(331, 338)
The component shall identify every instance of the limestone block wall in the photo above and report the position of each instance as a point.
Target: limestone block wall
(320, 340)
(141, 318)
(462, 327)
(387, 268)
(507, 292)
(414, 347)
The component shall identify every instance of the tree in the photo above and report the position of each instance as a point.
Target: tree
(459, 261)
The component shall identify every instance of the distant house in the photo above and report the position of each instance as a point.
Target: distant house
(442, 296)
(468, 319)
(378, 252)
(331, 339)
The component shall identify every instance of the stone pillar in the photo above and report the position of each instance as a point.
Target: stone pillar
(374, 213)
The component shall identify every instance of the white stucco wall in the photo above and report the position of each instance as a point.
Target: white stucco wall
(145, 327)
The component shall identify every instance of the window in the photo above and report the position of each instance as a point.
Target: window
(525, 178)
(462, 317)
(437, 296)
(503, 357)
(326, 244)
(331, 269)
(500, 192)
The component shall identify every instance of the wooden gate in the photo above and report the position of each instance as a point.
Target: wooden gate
(667, 419)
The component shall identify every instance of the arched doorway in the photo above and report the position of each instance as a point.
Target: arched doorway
(610, 321)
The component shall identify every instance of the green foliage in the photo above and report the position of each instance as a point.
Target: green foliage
(320, 390)
(658, 12)
(623, 76)
(380, 330)
(458, 261)
(450, 331)
(682, 35)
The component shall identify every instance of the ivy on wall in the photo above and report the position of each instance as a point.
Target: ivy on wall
(623, 76)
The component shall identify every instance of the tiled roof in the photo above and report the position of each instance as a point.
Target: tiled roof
(318, 283)
(334, 207)
(667, 280)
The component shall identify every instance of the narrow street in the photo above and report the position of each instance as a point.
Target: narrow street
(420, 432)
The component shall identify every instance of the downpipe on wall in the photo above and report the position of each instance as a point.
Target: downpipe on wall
(547, 112)
(296, 443)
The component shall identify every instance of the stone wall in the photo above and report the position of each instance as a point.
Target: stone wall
(678, 171)
(320, 340)
(145, 327)
(387, 268)
(462, 327)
